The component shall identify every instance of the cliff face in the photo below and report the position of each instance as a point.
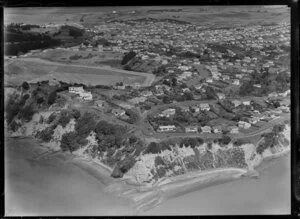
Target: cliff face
(150, 167)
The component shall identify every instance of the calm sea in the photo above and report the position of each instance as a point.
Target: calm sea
(55, 186)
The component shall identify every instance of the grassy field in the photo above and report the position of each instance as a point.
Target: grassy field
(39, 70)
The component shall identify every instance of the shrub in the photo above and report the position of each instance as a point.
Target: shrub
(85, 125)
(14, 126)
(159, 161)
(76, 113)
(188, 142)
(46, 134)
(133, 117)
(225, 140)
(51, 118)
(25, 85)
(68, 142)
(27, 112)
(12, 109)
(40, 100)
(64, 118)
(127, 57)
(52, 97)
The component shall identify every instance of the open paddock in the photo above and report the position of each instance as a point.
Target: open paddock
(34, 69)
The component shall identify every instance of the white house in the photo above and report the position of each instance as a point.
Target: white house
(236, 82)
(204, 106)
(86, 95)
(221, 96)
(244, 125)
(234, 130)
(246, 103)
(167, 113)
(206, 129)
(76, 90)
(236, 103)
(191, 129)
(166, 128)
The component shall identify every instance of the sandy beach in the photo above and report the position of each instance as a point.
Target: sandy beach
(64, 184)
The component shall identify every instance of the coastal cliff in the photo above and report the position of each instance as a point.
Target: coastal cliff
(149, 168)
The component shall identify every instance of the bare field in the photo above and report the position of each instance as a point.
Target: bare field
(34, 70)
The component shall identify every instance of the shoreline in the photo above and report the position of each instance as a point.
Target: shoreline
(165, 188)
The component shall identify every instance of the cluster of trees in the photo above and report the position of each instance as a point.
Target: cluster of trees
(17, 106)
(161, 70)
(133, 116)
(127, 57)
(270, 139)
(269, 83)
(192, 142)
(155, 148)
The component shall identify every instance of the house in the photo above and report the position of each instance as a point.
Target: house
(217, 129)
(167, 113)
(246, 102)
(184, 108)
(186, 89)
(136, 85)
(76, 90)
(234, 130)
(118, 112)
(166, 128)
(236, 82)
(204, 106)
(209, 80)
(86, 95)
(244, 125)
(195, 109)
(191, 129)
(257, 85)
(100, 103)
(206, 129)
(221, 96)
(236, 103)
(147, 93)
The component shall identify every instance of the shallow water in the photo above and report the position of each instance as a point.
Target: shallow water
(59, 186)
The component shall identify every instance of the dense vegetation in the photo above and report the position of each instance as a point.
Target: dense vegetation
(270, 139)
(21, 39)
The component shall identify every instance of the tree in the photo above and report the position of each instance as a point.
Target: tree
(27, 112)
(25, 85)
(68, 142)
(127, 57)
(85, 125)
(225, 140)
(52, 97)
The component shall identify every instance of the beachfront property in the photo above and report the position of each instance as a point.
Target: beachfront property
(166, 128)
(76, 90)
(86, 95)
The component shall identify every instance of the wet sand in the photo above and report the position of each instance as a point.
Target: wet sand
(269, 194)
(64, 185)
